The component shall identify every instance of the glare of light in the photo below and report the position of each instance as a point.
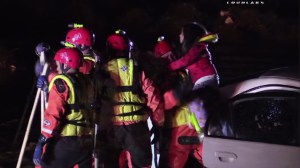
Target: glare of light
(12, 68)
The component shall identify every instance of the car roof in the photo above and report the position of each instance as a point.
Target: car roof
(284, 72)
(285, 78)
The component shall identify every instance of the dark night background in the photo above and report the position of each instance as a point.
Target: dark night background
(252, 38)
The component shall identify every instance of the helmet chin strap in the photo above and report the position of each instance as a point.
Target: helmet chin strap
(82, 47)
(63, 69)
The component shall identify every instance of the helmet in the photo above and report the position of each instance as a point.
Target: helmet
(118, 41)
(70, 56)
(80, 36)
(162, 47)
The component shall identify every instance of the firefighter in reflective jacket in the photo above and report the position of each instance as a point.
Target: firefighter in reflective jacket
(66, 135)
(178, 124)
(135, 100)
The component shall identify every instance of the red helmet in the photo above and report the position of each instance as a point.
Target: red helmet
(80, 36)
(118, 41)
(162, 47)
(70, 56)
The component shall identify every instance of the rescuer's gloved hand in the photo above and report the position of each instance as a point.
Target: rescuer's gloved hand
(42, 83)
(38, 151)
(156, 134)
(42, 47)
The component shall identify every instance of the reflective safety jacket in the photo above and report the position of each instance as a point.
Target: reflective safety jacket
(180, 114)
(184, 116)
(65, 115)
(180, 117)
(135, 96)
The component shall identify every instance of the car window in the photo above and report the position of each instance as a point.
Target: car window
(271, 117)
(219, 122)
(267, 117)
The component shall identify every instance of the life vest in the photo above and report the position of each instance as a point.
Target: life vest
(78, 120)
(129, 104)
(182, 114)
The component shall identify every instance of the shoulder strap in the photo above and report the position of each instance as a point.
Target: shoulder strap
(68, 81)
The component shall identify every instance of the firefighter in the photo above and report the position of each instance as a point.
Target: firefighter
(66, 135)
(173, 154)
(135, 100)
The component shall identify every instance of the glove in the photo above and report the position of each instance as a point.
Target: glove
(38, 151)
(156, 134)
(42, 83)
(42, 47)
(37, 155)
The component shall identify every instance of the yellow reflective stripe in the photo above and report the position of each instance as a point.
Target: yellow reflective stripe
(71, 99)
(77, 25)
(131, 118)
(67, 44)
(208, 38)
(89, 58)
(195, 123)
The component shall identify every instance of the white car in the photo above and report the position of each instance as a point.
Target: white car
(259, 125)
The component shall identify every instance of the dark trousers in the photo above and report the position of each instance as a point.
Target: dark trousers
(66, 152)
(136, 139)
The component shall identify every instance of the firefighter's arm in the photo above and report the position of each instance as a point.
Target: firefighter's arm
(54, 113)
(170, 101)
(154, 101)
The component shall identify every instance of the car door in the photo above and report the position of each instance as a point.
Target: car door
(265, 133)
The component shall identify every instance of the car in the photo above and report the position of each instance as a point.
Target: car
(258, 124)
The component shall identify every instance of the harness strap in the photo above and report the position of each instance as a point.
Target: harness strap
(80, 123)
(129, 103)
(138, 115)
(125, 89)
(141, 111)
(76, 107)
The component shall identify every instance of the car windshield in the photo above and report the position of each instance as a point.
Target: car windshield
(267, 117)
